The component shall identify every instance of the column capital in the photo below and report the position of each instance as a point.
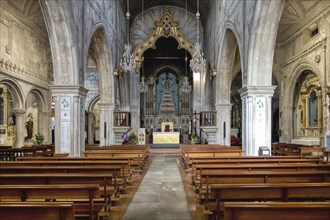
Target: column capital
(106, 105)
(19, 111)
(223, 106)
(62, 90)
(257, 90)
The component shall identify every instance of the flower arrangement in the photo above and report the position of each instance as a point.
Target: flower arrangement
(133, 138)
(39, 138)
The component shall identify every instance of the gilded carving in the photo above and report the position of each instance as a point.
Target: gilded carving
(166, 26)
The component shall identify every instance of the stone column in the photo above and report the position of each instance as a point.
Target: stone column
(91, 128)
(20, 126)
(223, 123)
(69, 119)
(107, 136)
(46, 126)
(256, 118)
(135, 102)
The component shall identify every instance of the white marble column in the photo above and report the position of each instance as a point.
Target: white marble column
(69, 119)
(107, 136)
(223, 123)
(256, 118)
(20, 126)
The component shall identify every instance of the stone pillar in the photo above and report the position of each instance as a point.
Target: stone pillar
(46, 126)
(69, 119)
(20, 126)
(135, 102)
(91, 124)
(107, 136)
(256, 118)
(223, 123)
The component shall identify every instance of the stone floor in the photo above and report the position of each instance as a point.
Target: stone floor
(162, 191)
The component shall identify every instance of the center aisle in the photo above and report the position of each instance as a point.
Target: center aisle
(161, 193)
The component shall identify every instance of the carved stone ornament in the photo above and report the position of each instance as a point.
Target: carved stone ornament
(165, 26)
(8, 49)
(317, 58)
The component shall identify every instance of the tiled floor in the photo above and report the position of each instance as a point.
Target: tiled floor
(165, 192)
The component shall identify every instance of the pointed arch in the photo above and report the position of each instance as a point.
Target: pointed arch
(62, 41)
(166, 26)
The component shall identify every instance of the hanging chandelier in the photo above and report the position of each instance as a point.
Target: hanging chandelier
(143, 85)
(127, 63)
(185, 87)
(197, 63)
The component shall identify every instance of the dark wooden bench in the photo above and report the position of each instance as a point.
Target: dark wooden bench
(198, 168)
(36, 210)
(116, 171)
(277, 210)
(82, 195)
(256, 176)
(104, 180)
(221, 193)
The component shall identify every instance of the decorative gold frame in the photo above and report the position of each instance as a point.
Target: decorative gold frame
(166, 26)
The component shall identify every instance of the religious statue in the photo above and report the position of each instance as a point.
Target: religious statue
(29, 126)
(167, 83)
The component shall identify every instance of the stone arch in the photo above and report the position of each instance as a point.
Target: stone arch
(92, 103)
(166, 25)
(99, 42)
(62, 41)
(159, 70)
(291, 100)
(262, 43)
(226, 62)
(15, 91)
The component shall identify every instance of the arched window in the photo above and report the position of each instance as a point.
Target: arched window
(313, 104)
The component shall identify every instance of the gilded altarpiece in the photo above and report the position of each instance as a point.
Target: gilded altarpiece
(310, 108)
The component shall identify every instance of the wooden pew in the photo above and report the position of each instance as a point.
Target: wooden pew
(192, 151)
(256, 176)
(36, 210)
(221, 193)
(117, 172)
(277, 210)
(104, 180)
(248, 160)
(130, 162)
(198, 168)
(82, 195)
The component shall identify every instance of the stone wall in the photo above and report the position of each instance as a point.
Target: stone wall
(23, 52)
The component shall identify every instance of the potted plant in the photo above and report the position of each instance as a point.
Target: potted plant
(133, 138)
(39, 138)
(194, 138)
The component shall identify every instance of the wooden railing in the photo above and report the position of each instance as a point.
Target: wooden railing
(122, 119)
(208, 118)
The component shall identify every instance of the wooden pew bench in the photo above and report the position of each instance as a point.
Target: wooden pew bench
(277, 210)
(117, 173)
(247, 177)
(208, 151)
(198, 168)
(36, 210)
(104, 180)
(139, 155)
(221, 193)
(243, 160)
(82, 195)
